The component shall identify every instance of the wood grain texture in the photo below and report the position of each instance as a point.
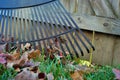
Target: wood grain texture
(107, 49)
(98, 15)
(106, 8)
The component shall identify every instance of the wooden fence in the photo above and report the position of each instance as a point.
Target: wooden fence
(101, 16)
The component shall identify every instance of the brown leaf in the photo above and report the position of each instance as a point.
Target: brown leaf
(24, 56)
(22, 62)
(63, 59)
(34, 54)
(16, 55)
(62, 40)
(34, 69)
(16, 66)
(9, 57)
(52, 56)
(76, 76)
(50, 49)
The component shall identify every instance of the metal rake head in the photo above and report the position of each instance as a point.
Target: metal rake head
(43, 24)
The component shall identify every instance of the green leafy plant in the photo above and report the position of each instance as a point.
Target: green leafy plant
(7, 74)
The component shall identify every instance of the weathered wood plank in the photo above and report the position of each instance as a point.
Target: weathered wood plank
(107, 8)
(96, 15)
(103, 8)
(116, 6)
(84, 7)
(99, 24)
(107, 49)
(116, 51)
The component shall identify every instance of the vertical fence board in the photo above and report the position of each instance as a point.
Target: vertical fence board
(104, 44)
(107, 46)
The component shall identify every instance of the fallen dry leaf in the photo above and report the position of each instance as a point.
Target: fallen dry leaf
(62, 40)
(76, 76)
(24, 56)
(50, 49)
(34, 69)
(22, 62)
(27, 45)
(16, 55)
(34, 54)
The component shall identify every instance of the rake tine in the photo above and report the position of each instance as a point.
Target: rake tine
(72, 35)
(66, 34)
(22, 26)
(6, 29)
(60, 30)
(1, 15)
(31, 27)
(53, 29)
(47, 25)
(27, 27)
(34, 24)
(39, 25)
(39, 14)
(14, 24)
(3, 23)
(76, 25)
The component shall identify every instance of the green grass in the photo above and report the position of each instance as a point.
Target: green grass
(59, 70)
(101, 73)
(7, 74)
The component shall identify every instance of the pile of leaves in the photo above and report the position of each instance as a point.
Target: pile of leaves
(22, 62)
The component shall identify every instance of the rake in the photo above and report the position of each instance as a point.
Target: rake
(41, 23)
